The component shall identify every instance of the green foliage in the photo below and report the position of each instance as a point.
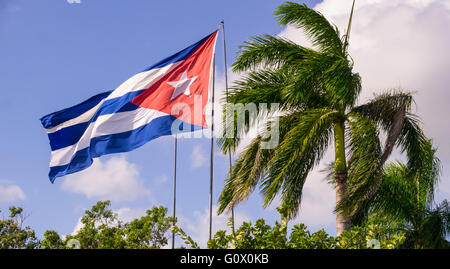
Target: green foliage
(187, 239)
(360, 237)
(52, 240)
(406, 198)
(103, 230)
(316, 90)
(259, 236)
(297, 154)
(13, 235)
(149, 231)
(263, 236)
(319, 30)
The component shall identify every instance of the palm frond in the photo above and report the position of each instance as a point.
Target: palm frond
(413, 142)
(251, 166)
(436, 226)
(429, 173)
(406, 197)
(341, 83)
(323, 79)
(268, 51)
(261, 86)
(365, 169)
(328, 170)
(383, 107)
(245, 175)
(300, 150)
(306, 88)
(388, 110)
(396, 197)
(323, 35)
(258, 87)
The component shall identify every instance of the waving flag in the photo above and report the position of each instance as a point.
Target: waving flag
(144, 107)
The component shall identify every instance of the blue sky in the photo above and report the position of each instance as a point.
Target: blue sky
(54, 54)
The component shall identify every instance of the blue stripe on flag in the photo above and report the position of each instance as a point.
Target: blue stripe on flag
(67, 136)
(70, 135)
(116, 143)
(56, 118)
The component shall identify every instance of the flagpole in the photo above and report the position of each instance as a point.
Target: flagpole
(226, 94)
(174, 187)
(211, 170)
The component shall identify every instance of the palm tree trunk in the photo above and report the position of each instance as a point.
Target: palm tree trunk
(340, 175)
(342, 221)
(340, 164)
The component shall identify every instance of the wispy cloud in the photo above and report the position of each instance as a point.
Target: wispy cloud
(198, 157)
(161, 179)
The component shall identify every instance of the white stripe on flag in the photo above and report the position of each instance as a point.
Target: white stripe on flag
(106, 125)
(138, 82)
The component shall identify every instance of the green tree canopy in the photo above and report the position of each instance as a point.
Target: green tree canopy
(12, 233)
(103, 230)
(406, 199)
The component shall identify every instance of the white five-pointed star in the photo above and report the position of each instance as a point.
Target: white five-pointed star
(181, 86)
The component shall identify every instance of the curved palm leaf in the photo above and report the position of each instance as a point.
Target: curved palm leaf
(365, 168)
(262, 86)
(269, 51)
(436, 227)
(388, 110)
(300, 150)
(413, 142)
(396, 198)
(244, 176)
(383, 107)
(325, 75)
(391, 112)
(251, 166)
(323, 35)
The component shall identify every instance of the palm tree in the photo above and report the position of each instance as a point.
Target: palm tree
(317, 91)
(405, 199)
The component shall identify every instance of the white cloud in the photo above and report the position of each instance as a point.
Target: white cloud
(198, 157)
(11, 193)
(161, 179)
(115, 180)
(78, 227)
(127, 214)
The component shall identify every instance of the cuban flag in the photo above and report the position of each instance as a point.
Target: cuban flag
(173, 92)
